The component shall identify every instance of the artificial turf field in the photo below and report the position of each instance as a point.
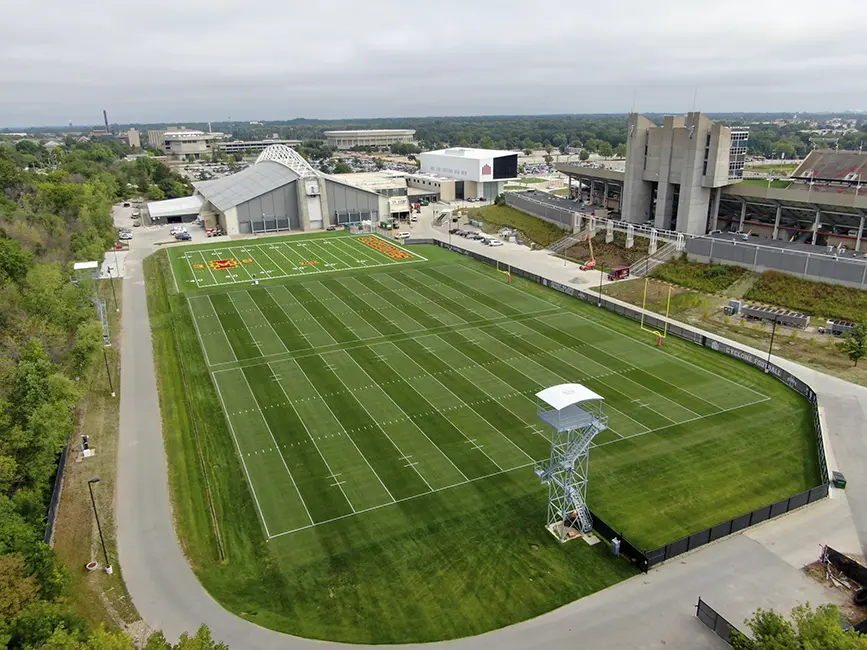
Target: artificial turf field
(378, 405)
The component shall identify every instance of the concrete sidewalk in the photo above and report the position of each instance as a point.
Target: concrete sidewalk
(736, 575)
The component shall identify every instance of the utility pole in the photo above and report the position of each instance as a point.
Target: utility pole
(108, 372)
(108, 569)
(113, 293)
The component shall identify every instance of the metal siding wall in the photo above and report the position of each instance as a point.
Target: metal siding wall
(280, 207)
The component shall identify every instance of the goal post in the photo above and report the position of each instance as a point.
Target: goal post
(660, 336)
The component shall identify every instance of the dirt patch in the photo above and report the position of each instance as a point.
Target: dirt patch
(610, 255)
(843, 589)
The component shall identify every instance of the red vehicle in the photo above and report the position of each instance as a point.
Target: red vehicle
(618, 273)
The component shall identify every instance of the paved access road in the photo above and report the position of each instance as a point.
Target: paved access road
(756, 569)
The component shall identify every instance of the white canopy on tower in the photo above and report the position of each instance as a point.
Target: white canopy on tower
(563, 395)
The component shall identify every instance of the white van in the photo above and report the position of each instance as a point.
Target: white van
(402, 235)
(494, 242)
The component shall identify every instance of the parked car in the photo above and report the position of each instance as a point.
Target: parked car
(495, 242)
(331, 228)
(125, 236)
(413, 218)
(126, 205)
(184, 236)
(403, 235)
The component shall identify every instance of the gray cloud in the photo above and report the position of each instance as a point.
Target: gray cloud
(185, 60)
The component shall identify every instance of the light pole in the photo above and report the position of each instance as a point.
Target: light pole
(601, 275)
(108, 372)
(771, 346)
(108, 569)
(111, 282)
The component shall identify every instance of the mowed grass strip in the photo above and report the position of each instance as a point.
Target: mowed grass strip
(441, 431)
(288, 332)
(307, 465)
(409, 300)
(351, 472)
(704, 384)
(494, 424)
(407, 316)
(213, 338)
(333, 325)
(500, 305)
(257, 323)
(426, 290)
(242, 341)
(416, 449)
(376, 319)
(372, 443)
(447, 290)
(308, 327)
(276, 498)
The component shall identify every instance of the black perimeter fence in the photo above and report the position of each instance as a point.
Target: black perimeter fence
(642, 558)
(709, 616)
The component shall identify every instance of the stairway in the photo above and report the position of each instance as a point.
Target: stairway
(646, 266)
(563, 244)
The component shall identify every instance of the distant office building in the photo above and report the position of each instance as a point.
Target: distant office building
(250, 147)
(369, 138)
(478, 173)
(155, 138)
(132, 138)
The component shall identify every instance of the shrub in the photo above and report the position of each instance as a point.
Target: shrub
(710, 278)
(813, 298)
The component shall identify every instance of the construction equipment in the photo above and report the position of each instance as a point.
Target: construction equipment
(619, 273)
(590, 264)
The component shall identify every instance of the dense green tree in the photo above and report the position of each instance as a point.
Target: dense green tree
(854, 345)
(808, 629)
(584, 155)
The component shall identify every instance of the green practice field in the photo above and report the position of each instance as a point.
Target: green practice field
(378, 406)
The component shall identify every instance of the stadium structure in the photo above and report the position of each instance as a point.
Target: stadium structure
(687, 176)
(280, 192)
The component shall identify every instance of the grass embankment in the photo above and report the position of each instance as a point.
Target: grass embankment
(709, 278)
(532, 228)
(533, 179)
(813, 298)
(95, 596)
(393, 575)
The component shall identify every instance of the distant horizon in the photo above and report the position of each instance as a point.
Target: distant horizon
(245, 121)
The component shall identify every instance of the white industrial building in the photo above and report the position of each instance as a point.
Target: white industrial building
(181, 143)
(282, 192)
(369, 138)
(477, 173)
(249, 147)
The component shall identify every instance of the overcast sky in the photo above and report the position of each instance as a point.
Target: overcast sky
(199, 60)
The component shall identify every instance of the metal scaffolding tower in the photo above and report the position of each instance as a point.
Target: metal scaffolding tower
(574, 413)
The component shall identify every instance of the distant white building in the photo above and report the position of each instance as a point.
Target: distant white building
(369, 138)
(478, 173)
(182, 143)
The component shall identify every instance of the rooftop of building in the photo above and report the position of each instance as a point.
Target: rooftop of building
(179, 134)
(470, 153)
(374, 181)
(373, 132)
(230, 191)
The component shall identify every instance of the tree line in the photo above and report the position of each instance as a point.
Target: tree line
(55, 208)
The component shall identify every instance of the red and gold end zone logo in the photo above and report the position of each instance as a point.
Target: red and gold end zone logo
(223, 265)
(384, 247)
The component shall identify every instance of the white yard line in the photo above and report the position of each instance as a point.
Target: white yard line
(282, 272)
(208, 266)
(261, 313)
(415, 496)
(463, 433)
(408, 418)
(556, 374)
(276, 444)
(377, 276)
(639, 368)
(677, 424)
(665, 352)
(378, 426)
(174, 277)
(222, 329)
(431, 283)
(360, 295)
(309, 435)
(344, 429)
(491, 280)
(493, 399)
(306, 311)
(252, 338)
(241, 454)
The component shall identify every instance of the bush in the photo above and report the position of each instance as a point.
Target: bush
(710, 278)
(813, 298)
